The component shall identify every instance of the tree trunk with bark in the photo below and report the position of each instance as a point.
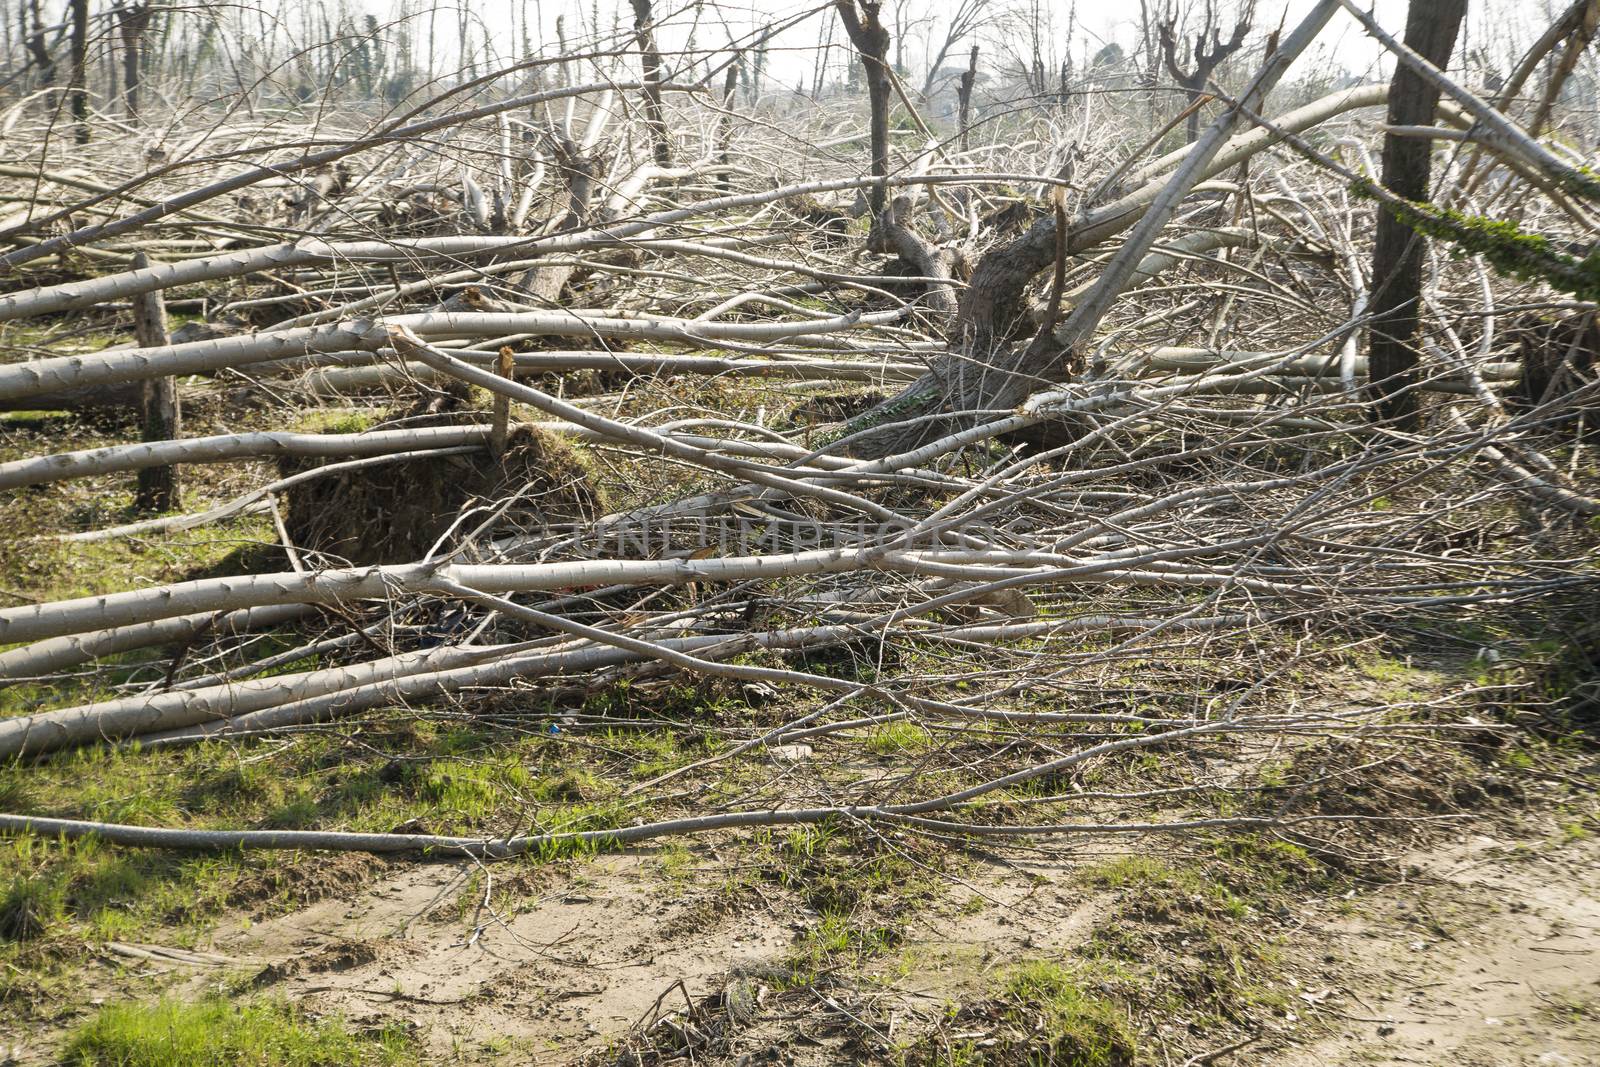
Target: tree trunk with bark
(654, 112)
(161, 418)
(969, 78)
(1204, 60)
(871, 40)
(33, 40)
(78, 76)
(892, 230)
(133, 22)
(1431, 29)
(581, 173)
(986, 369)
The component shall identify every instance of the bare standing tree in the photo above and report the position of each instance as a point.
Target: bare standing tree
(969, 78)
(133, 23)
(1431, 29)
(871, 40)
(1038, 34)
(160, 409)
(33, 40)
(78, 75)
(1202, 58)
(757, 70)
(655, 117)
(968, 15)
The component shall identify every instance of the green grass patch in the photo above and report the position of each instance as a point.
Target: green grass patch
(335, 421)
(899, 738)
(840, 940)
(35, 900)
(59, 897)
(1224, 973)
(1041, 1012)
(1081, 1027)
(215, 1033)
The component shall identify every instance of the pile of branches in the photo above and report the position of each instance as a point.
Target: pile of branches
(1112, 412)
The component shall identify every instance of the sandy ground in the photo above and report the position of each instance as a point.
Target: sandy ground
(1487, 954)
(1490, 957)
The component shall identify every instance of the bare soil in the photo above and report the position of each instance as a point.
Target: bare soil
(1486, 952)
(1488, 955)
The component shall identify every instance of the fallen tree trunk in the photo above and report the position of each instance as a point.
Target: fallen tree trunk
(908, 813)
(591, 656)
(34, 622)
(125, 396)
(58, 653)
(333, 381)
(124, 717)
(77, 295)
(21, 380)
(321, 695)
(1195, 359)
(227, 448)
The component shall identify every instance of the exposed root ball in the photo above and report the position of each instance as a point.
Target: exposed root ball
(1557, 354)
(395, 512)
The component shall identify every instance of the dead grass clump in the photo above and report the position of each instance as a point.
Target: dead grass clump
(1563, 690)
(827, 226)
(396, 512)
(1342, 778)
(29, 907)
(705, 1030)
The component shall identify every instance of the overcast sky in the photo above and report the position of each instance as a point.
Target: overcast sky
(1500, 27)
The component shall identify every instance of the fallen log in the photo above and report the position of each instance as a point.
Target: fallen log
(22, 380)
(227, 448)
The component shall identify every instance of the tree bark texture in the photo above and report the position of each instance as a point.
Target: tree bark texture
(1431, 29)
(160, 416)
(78, 74)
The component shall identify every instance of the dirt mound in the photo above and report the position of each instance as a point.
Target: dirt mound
(396, 512)
(288, 886)
(334, 958)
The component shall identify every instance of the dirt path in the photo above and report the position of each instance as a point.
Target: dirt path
(1489, 957)
(1487, 954)
(577, 957)
(590, 950)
